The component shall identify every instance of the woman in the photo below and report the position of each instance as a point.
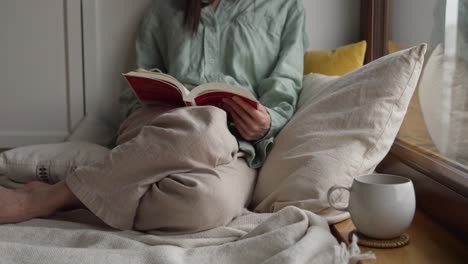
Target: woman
(181, 169)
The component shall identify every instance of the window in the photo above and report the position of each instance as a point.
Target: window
(436, 123)
(437, 120)
(433, 139)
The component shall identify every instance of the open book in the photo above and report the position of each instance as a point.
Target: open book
(156, 87)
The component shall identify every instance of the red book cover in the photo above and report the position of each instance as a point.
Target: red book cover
(149, 90)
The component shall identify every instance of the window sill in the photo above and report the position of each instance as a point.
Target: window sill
(430, 243)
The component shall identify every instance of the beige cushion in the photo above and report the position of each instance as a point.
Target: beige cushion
(47, 162)
(343, 128)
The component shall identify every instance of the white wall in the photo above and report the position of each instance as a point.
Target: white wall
(332, 23)
(41, 95)
(109, 36)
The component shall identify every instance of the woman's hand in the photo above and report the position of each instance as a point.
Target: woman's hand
(252, 123)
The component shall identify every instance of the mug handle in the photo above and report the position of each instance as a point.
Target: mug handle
(332, 189)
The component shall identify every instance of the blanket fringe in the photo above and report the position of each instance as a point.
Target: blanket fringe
(351, 254)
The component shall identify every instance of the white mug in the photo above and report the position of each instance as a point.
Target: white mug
(381, 205)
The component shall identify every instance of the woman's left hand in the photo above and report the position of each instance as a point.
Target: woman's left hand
(252, 123)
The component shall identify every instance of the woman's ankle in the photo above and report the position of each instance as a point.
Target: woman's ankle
(64, 197)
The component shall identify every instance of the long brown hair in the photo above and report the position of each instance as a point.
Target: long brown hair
(193, 14)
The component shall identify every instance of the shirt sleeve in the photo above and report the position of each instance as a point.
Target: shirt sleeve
(279, 92)
(148, 56)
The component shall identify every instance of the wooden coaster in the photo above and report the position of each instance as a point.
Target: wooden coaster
(365, 241)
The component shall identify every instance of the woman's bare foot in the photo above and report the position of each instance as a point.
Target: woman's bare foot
(35, 199)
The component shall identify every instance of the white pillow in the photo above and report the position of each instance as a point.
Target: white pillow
(343, 128)
(48, 162)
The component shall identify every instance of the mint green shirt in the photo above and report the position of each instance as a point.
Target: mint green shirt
(255, 44)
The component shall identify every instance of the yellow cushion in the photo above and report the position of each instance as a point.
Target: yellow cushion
(335, 62)
(394, 47)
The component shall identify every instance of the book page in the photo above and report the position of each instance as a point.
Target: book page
(213, 94)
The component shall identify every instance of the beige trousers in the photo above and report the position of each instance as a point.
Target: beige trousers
(174, 170)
